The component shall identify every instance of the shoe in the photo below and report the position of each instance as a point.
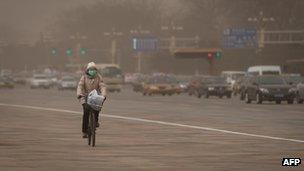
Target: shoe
(84, 135)
(97, 124)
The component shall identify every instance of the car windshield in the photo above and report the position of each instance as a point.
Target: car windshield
(237, 76)
(293, 79)
(110, 71)
(214, 80)
(271, 73)
(271, 80)
(161, 80)
(40, 77)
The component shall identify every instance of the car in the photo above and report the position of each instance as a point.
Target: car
(161, 84)
(214, 86)
(52, 80)
(40, 81)
(293, 79)
(269, 88)
(6, 82)
(194, 84)
(20, 80)
(300, 92)
(67, 82)
(138, 83)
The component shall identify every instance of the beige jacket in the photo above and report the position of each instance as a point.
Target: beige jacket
(86, 85)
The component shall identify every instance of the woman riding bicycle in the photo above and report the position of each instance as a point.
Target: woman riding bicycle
(89, 81)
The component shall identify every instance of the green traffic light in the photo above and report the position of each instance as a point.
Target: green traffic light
(69, 52)
(82, 51)
(54, 51)
(218, 55)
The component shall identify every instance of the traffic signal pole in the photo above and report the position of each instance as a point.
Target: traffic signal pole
(139, 56)
(211, 66)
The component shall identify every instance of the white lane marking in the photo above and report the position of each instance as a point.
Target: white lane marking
(158, 122)
(256, 110)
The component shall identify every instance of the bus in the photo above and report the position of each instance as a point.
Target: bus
(112, 76)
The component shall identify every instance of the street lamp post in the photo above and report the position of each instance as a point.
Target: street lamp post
(172, 28)
(113, 34)
(139, 31)
(261, 21)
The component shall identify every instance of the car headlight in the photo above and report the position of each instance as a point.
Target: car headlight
(292, 90)
(264, 90)
(210, 88)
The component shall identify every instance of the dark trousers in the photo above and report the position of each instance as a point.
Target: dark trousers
(85, 117)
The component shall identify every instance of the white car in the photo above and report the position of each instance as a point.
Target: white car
(40, 81)
(67, 82)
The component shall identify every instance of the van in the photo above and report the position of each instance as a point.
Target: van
(264, 70)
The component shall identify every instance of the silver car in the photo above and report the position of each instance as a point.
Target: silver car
(40, 81)
(67, 82)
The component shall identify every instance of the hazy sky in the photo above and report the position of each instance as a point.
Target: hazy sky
(32, 16)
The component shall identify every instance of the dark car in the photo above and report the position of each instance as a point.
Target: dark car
(6, 82)
(269, 88)
(214, 86)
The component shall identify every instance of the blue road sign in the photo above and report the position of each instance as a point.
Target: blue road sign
(240, 38)
(144, 44)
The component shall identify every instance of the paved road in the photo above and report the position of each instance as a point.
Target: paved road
(40, 130)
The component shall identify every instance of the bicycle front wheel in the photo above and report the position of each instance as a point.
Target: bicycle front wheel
(92, 125)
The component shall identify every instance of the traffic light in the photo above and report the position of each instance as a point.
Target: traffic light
(54, 51)
(210, 56)
(82, 51)
(69, 52)
(218, 55)
(214, 55)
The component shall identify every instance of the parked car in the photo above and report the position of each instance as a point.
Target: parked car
(67, 82)
(214, 86)
(40, 81)
(6, 82)
(300, 92)
(269, 88)
(161, 84)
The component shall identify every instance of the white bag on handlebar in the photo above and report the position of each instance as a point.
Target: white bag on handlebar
(95, 100)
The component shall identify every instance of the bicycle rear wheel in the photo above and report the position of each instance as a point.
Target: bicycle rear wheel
(92, 125)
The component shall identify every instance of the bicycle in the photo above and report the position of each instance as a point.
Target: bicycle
(93, 105)
(91, 131)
